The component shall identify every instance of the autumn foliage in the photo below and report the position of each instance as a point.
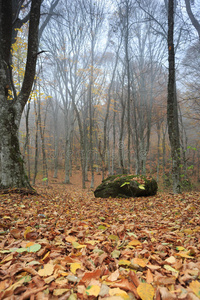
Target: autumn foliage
(66, 244)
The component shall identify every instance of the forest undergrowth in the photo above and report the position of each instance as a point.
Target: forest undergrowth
(66, 244)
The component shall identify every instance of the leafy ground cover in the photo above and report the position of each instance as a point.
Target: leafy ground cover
(67, 244)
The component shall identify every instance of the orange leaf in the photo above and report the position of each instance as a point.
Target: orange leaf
(141, 262)
(90, 275)
(149, 276)
(134, 243)
(126, 285)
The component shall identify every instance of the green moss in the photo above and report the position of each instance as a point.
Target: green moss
(126, 186)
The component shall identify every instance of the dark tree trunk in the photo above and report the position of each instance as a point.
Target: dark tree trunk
(12, 165)
(172, 111)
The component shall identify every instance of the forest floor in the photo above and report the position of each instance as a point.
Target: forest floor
(66, 244)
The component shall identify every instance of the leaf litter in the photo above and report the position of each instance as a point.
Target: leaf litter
(67, 244)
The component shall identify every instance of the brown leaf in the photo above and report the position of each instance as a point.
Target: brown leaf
(165, 294)
(90, 275)
(127, 286)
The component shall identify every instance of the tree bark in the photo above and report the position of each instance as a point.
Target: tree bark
(12, 165)
(172, 111)
(194, 21)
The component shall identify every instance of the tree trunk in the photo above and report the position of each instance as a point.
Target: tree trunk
(26, 143)
(36, 144)
(12, 165)
(172, 111)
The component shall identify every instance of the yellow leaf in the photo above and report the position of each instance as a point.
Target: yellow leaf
(7, 258)
(141, 262)
(134, 243)
(16, 285)
(46, 255)
(119, 292)
(91, 242)
(93, 290)
(169, 268)
(195, 287)
(145, 291)
(188, 231)
(28, 229)
(184, 254)
(180, 248)
(58, 292)
(124, 262)
(141, 186)
(77, 245)
(47, 270)
(74, 267)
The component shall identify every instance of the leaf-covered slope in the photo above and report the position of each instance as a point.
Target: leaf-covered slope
(66, 244)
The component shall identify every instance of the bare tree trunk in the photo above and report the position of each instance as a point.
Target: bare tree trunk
(114, 138)
(158, 151)
(172, 111)
(42, 132)
(36, 144)
(26, 143)
(121, 144)
(107, 114)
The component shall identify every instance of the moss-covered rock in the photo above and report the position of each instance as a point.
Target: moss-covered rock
(125, 186)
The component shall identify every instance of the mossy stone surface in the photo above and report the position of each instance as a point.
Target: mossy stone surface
(126, 186)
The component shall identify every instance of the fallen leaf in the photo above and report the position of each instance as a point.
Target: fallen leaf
(119, 292)
(115, 253)
(134, 243)
(114, 276)
(76, 245)
(146, 291)
(124, 262)
(93, 290)
(46, 271)
(149, 276)
(74, 267)
(141, 262)
(195, 287)
(58, 292)
(171, 260)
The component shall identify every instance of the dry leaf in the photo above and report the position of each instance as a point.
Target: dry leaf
(74, 267)
(141, 262)
(114, 276)
(149, 276)
(46, 271)
(119, 292)
(93, 290)
(146, 291)
(134, 243)
(195, 287)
